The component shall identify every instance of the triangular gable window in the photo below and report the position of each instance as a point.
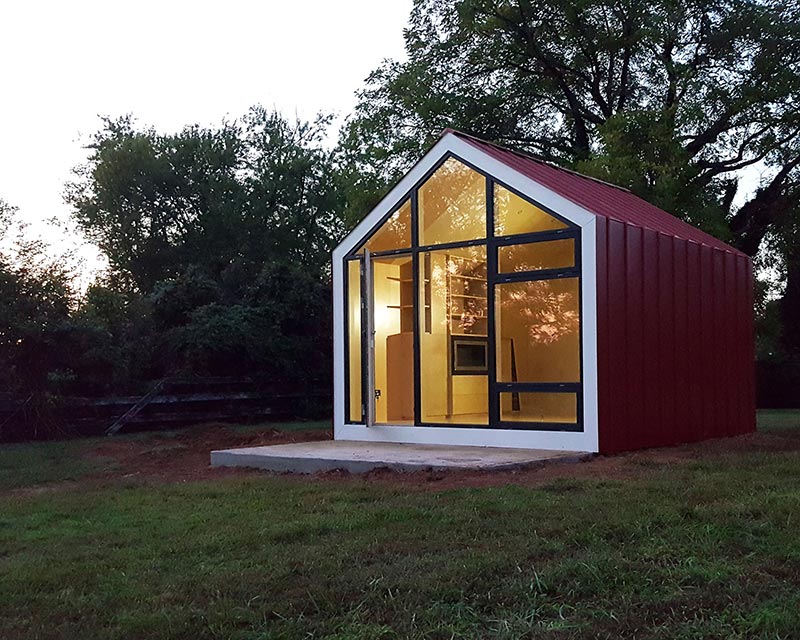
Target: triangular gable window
(452, 205)
(395, 233)
(513, 215)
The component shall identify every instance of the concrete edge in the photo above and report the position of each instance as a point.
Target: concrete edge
(289, 464)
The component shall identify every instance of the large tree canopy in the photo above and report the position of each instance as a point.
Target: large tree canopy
(672, 98)
(225, 201)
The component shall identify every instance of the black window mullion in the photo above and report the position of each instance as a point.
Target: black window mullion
(491, 333)
(364, 347)
(539, 387)
(529, 276)
(415, 309)
(346, 323)
(538, 236)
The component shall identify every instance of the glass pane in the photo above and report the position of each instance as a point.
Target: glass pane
(452, 307)
(513, 214)
(538, 331)
(539, 407)
(395, 233)
(452, 205)
(534, 256)
(393, 308)
(354, 337)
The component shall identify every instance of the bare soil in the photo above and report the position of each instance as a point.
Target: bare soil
(185, 457)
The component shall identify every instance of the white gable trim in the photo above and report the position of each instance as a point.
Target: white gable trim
(587, 440)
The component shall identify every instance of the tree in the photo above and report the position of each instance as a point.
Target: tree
(221, 200)
(197, 226)
(672, 99)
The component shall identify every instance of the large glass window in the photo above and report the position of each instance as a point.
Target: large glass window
(535, 256)
(395, 233)
(452, 205)
(538, 331)
(453, 336)
(354, 338)
(552, 408)
(513, 215)
(442, 355)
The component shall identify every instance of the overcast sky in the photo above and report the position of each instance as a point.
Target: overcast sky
(169, 63)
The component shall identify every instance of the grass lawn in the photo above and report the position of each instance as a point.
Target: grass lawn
(697, 542)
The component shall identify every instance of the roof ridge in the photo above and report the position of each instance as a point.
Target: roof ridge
(530, 156)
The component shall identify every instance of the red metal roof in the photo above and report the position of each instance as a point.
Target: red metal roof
(601, 198)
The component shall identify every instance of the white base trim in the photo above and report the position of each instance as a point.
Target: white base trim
(475, 437)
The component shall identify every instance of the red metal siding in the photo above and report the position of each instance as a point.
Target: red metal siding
(675, 340)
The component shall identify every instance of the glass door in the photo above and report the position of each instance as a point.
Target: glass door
(389, 287)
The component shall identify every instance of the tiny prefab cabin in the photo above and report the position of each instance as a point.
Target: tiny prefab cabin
(493, 299)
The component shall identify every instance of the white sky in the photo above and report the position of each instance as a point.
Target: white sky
(169, 63)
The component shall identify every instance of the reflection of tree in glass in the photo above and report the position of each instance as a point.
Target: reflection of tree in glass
(395, 232)
(462, 314)
(534, 256)
(513, 214)
(456, 195)
(467, 312)
(548, 308)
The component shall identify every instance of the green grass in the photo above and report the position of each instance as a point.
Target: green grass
(779, 421)
(26, 464)
(701, 549)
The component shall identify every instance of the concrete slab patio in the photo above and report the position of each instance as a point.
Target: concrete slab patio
(360, 457)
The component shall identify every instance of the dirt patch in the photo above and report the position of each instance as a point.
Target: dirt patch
(185, 457)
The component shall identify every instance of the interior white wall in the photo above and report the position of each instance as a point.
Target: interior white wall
(587, 440)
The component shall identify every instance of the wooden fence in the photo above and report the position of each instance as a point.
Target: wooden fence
(167, 403)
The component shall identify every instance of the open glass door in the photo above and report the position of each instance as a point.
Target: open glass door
(389, 358)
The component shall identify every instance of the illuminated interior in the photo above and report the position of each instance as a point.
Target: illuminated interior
(539, 407)
(444, 353)
(452, 205)
(513, 215)
(354, 337)
(535, 256)
(453, 303)
(539, 321)
(395, 233)
(394, 339)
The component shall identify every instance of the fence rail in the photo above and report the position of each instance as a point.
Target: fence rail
(169, 403)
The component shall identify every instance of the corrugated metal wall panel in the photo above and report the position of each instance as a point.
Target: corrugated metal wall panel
(705, 361)
(676, 361)
(680, 347)
(695, 341)
(651, 394)
(613, 433)
(666, 328)
(634, 274)
(603, 326)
